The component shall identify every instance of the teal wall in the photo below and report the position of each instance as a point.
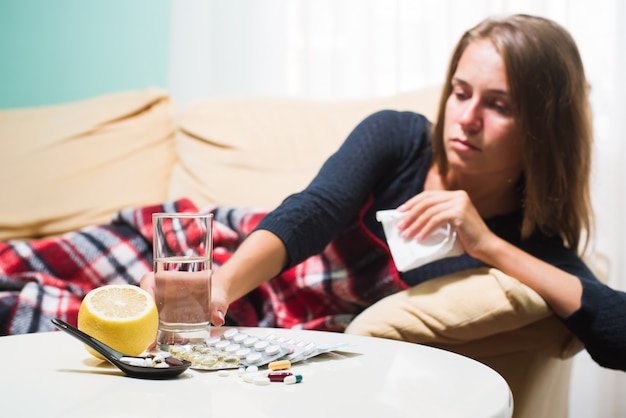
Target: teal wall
(54, 51)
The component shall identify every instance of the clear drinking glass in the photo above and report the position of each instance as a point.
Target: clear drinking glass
(183, 244)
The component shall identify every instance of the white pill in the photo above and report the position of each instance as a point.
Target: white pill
(240, 338)
(254, 358)
(261, 345)
(222, 344)
(232, 348)
(249, 377)
(135, 361)
(230, 333)
(252, 369)
(212, 341)
(250, 341)
(242, 352)
(261, 380)
(223, 373)
(308, 349)
(272, 350)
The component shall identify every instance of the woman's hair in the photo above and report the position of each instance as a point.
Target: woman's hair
(549, 96)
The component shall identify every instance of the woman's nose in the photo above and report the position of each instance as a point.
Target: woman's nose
(471, 117)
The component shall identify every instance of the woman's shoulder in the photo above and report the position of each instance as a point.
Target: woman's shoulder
(396, 130)
(401, 117)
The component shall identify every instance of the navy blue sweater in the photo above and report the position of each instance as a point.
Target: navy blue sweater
(383, 163)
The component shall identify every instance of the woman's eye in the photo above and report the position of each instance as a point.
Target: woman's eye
(460, 95)
(500, 107)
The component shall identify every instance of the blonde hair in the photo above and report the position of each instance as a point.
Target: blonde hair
(549, 93)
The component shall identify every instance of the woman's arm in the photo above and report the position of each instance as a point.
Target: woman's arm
(561, 291)
(261, 256)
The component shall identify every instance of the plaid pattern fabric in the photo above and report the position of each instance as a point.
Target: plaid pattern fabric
(48, 278)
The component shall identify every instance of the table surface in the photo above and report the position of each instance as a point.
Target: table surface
(51, 374)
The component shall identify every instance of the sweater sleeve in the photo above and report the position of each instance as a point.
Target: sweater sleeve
(307, 221)
(600, 324)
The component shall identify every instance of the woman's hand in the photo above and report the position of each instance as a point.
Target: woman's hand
(219, 301)
(218, 297)
(259, 258)
(430, 209)
(147, 283)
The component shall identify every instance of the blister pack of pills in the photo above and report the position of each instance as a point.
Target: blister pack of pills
(234, 349)
(302, 350)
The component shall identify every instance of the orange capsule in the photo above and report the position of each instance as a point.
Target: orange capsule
(279, 365)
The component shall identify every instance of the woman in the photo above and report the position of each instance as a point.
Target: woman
(508, 165)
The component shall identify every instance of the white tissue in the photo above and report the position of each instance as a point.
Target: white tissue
(409, 254)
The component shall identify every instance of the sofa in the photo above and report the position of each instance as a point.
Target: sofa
(76, 164)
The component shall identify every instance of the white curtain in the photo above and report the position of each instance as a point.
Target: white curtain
(346, 49)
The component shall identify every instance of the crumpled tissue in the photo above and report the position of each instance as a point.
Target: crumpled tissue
(409, 253)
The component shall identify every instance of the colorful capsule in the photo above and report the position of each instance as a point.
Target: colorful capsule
(294, 378)
(278, 376)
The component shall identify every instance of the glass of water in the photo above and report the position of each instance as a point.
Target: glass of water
(183, 244)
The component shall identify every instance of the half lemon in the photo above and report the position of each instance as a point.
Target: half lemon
(123, 317)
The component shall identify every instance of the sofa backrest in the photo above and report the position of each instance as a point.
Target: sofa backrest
(76, 164)
(257, 151)
(70, 165)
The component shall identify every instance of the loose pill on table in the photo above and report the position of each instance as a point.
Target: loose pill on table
(278, 376)
(249, 377)
(294, 378)
(223, 373)
(261, 380)
(279, 365)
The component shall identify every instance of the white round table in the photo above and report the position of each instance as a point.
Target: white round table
(52, 375)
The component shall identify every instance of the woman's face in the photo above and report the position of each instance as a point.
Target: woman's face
(481, 137)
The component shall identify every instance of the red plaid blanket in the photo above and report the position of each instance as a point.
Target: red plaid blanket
(47, 278)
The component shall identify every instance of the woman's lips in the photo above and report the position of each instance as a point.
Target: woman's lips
(463, 145)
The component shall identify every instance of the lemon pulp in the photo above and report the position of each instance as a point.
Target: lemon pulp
(123, 317)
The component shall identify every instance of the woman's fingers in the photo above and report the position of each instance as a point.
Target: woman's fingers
(218, 299)
(429, 210)
(147, 283)
(219, 306)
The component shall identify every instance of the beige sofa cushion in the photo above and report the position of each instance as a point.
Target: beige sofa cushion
(488, 314)
(256, 151)
(71, 165)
